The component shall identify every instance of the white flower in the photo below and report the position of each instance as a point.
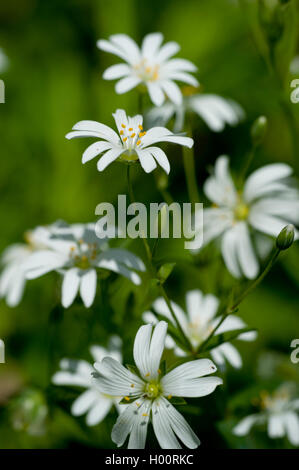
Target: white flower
(149, 65)
(149, 392)
(79, 373)
(132, 143)
(214, 110)
(77, 253)
(280, 413)
(198, 322)
(266, 205)
(13, 278)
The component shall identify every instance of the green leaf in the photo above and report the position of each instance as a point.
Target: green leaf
(225, 338)
(164, 271)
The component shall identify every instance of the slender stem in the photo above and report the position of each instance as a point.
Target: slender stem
(293, 129)
(186, 340)
(247, 164)
(190, 173)
(153, 270)
(228, 310)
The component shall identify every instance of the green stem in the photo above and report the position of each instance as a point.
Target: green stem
(247, 164)
(190, 173)
(228, 310)
(153, 270)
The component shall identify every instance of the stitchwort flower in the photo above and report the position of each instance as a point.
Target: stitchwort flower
(81, 257)
(148, 392)
(266, 204)
(78, 373)
(131, 143)
(198, 322)
(214, 110)
(150, 66)
(279, 412)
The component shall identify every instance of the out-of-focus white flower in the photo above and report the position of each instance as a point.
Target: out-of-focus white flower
(77, 254)
(148, 392)
(150, 65)
(3, 61)
(214, 110)
(266, 204)
(279, 413)
(12, 278)
(198, 322)
(79, 373)
(130, 145)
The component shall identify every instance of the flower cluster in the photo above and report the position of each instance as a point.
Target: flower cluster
(242, 215)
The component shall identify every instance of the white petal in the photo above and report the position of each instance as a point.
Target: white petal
(173, 92)
(167, 50)
(147, 162)
(229, 246)
(161, 158)
(201, 308)
(95, 149)
(116, 71)
(126, 84)
(220, 187)
(246, 424)
(266, 223)
(181, 428)
(88, 286)
(291, 423)
(275, 426)
(99, 411)
(263, 177)
(139, 429)
(151, 44)
(16, 289)
(95, 129)
(42, 262)
(231, 354)
(84, 402)
(246, 255)
(162, 426)
(108, 158)
(70, 286)
(142, 348)
(215, 222)
(124, 424)
(116, 380)
(180, 64)
(107, 46)
(156, 94)
(128, 45)
(157, 348)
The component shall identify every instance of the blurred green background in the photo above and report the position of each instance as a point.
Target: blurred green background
(53, 81)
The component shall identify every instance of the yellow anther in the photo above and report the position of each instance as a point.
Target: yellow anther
(147, 375)
(72, 248)
(121, 132)
(169, 397)
(127, 398)
(130, 129)
(140, 127)
(144, 414)
(133, 135)
(123, 126)
(81, 241)
(159, 371)
(137, 403)
(138, 142)
(148, 69)
(84, 258)
(125, 138)
(132, 385)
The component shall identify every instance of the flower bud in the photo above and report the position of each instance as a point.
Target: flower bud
(258, 130)
(286, 237)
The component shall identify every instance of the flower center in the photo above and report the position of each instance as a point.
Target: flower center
(241, 211)
(153, 389)
(131, 139)
(83, 254)
(147, 72)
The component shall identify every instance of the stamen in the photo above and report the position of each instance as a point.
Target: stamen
(144, 414)
(123, 126)
(127, 398)
(121, 132)
(140, 127)
(138, 142)
(132, 385)
(169, 397)
(125, 139)
(130, 129)
(159, 371)
(133, 135)
(137, 403)
(147, 375)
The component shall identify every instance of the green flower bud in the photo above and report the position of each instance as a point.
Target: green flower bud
(258, 130)
(286, 237)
